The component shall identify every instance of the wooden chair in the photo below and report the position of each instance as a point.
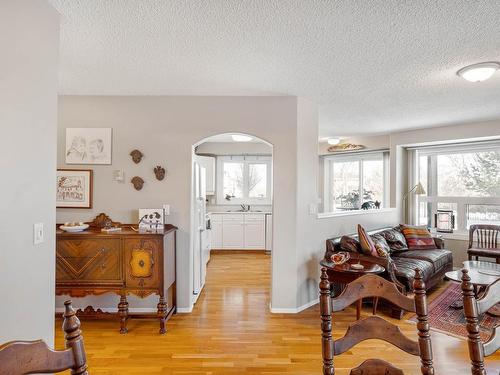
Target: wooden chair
(472, 309)
(30, 357)
(484, 242)
(374, 327)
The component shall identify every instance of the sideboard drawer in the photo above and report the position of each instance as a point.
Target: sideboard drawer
(89, 260)
(142, 263)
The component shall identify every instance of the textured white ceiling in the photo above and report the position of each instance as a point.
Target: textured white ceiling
(372, 66)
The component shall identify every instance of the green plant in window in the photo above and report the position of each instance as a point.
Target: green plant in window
(350, 201)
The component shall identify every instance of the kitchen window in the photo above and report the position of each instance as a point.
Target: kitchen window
(345, 176)
(244, 179)
(462, 178)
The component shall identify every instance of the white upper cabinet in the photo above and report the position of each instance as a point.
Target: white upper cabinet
(209, 163)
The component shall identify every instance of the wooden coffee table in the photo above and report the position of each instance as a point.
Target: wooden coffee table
(343, 274)
(481, 275)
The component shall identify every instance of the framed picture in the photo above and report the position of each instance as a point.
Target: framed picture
(88, 145)
(74, 188)
(445, 221)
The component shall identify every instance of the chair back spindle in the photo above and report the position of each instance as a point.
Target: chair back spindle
(473, 308)
(374, 327)
(31, 357)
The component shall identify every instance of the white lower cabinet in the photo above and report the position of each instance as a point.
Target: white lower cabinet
(244, 231)
(216, 234)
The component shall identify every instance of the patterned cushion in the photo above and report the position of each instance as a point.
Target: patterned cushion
(383, 249)
(348, 243)
(395, 239)
(367, 244)
(417, 238)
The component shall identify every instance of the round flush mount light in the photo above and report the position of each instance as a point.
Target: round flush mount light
(241, 138)
(479, 72)
(333, 141)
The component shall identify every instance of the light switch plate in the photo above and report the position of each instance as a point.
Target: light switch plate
(37, 233)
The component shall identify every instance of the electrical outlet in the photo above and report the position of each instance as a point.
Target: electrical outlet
(312, 209)
(37, 233)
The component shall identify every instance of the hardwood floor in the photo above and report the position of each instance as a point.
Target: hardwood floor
(231, 331)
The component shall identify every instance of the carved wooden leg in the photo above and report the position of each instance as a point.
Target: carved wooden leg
(476, 350)
(424, 338)
(162, 314)
(325, 304)
(123, 312)
(74, 340)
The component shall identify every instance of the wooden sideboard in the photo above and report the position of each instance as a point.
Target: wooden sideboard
(125, 262)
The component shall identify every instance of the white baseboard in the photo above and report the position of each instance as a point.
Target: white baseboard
(184, 310)
(138, 310)
(294, 310)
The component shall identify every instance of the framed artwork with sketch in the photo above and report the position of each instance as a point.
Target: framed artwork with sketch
(74, 188)
(88, 145)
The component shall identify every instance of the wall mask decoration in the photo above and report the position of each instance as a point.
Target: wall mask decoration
(345, 147)
(136, 156)
(159, 172)
(137, 182)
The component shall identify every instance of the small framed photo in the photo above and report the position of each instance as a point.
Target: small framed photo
(74, 188)
(88, 145)
(445, 221)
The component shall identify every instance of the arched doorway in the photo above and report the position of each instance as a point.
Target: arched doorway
(231, 206)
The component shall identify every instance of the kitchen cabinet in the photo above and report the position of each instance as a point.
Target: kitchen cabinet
(216, 222)
(233, 231)
(255, 233)
(239, 231)
(208, 162)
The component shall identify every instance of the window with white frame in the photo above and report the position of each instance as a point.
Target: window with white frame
(356, 181)
(244, 179)
(462, 178)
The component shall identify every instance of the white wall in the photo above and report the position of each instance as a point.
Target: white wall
(313, 232)
(234, 148)
(29, 44)
(164, 129)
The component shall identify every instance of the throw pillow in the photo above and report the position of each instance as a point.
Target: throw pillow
(381, 245)
(395, 239)
(350, 244)
(367, 245)
(418, 237)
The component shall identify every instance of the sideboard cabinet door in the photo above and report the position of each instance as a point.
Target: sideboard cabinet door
(89, 261)
(142, 263)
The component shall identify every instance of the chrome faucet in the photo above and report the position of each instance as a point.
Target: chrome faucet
(245, 207)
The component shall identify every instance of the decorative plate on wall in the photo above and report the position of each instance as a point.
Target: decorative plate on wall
(345, 147)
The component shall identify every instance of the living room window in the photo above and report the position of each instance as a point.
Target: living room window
(462, 178)
(345, 176)
(244, 179)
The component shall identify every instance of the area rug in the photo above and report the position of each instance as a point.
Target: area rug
(451, 321)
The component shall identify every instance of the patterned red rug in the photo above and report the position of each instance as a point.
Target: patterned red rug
(452, 321)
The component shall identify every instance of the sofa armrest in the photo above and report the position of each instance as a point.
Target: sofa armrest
(439, 242)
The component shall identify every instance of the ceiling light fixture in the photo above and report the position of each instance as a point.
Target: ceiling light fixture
(479, 72)
(241, 138)
(333, 141)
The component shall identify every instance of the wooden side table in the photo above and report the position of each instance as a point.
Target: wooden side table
(343, 274)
